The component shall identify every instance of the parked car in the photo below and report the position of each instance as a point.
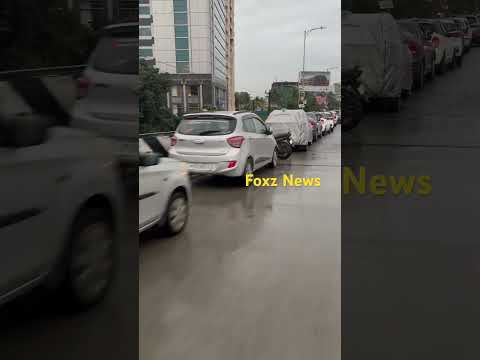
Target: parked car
(164, 190)
(107, 91)
(62, 201)
(475, 33)
(455, 34)
(466, 30)
(312, 120)
(297, 122)
(373, 44)
(423, 53)
(224, 143)
(328, 119)
(323, 123)
(444, 47)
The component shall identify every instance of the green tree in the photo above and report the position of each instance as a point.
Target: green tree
(285, 97)
(242, 101)
(154, 112)
(332, 101)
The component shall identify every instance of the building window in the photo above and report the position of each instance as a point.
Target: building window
(145, 52)
(183, 67)
(144, 10)
(180, 18)
(145, 31)
(181, 43)
(181, 31)
(179, 5)
(183, 55)
(193, 90)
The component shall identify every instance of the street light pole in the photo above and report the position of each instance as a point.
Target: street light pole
(305, 35)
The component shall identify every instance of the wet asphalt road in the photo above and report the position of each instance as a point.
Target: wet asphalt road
(410, 264)
(257, 273)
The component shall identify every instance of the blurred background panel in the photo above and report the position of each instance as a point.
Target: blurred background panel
(68, 187)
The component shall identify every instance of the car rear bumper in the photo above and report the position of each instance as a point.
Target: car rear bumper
(213, 165)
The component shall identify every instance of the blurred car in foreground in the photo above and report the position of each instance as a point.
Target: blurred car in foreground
(62, 203)
(224, 143)
(107, 91)
(164, 190)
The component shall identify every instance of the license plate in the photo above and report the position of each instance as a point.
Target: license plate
(201, 167)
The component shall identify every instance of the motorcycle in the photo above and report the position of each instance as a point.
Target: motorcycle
(352, 99)
(284, 145)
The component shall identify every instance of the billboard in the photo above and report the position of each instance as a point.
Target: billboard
(315, 81)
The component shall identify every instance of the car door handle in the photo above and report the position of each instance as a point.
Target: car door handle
(165, 179)
(102, 85)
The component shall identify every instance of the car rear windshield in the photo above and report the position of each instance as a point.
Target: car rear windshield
(210, 126)
(117, 55)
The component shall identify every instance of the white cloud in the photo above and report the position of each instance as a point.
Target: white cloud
(269, 40)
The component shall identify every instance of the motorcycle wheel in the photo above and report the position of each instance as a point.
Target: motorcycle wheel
(284, 150)
(352, 109)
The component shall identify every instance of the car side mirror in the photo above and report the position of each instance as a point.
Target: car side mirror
(268, 131)
(149, 159)
(25, 130)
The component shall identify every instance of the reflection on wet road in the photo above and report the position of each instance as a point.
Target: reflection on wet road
(256, 275)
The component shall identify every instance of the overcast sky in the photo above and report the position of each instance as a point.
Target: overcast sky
(269, 41)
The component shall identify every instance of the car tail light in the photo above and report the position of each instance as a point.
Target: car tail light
(457, 34)
(236, 141)
(173, 141)
(83, 85)
(436, 42)
(232, 164)
(412, 47)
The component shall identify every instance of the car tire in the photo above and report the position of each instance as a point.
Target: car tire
(249, 169)
(90, 258)
(459, 60)
(177, 213)
(273, 164)
(419, 81)
(394, 104)
(442, 67)
(432, 73)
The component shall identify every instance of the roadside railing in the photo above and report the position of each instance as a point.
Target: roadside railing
(75, 70)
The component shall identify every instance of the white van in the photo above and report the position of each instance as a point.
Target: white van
(297, 123)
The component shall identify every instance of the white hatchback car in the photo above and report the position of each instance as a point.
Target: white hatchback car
(224, 143)
(107, 91)
(164, 190)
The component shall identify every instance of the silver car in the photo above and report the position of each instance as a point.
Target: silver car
(224, 143)
(107, 99)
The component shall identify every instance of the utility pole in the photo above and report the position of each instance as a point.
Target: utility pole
(305, 35)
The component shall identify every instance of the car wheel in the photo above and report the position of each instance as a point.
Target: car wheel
(459, 61)
(393, 104)
(248, 167)
(432, 70)
(177, 213)
(90, 259)
(273, 164)
(419, 81)
(442, 67)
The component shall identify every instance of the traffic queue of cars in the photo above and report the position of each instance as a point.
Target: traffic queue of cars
(231, 144)
(391, 58)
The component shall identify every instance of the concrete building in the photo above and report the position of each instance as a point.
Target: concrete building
(193, 41)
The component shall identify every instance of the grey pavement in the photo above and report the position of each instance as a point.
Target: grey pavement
(256, 275)
(410, 264)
